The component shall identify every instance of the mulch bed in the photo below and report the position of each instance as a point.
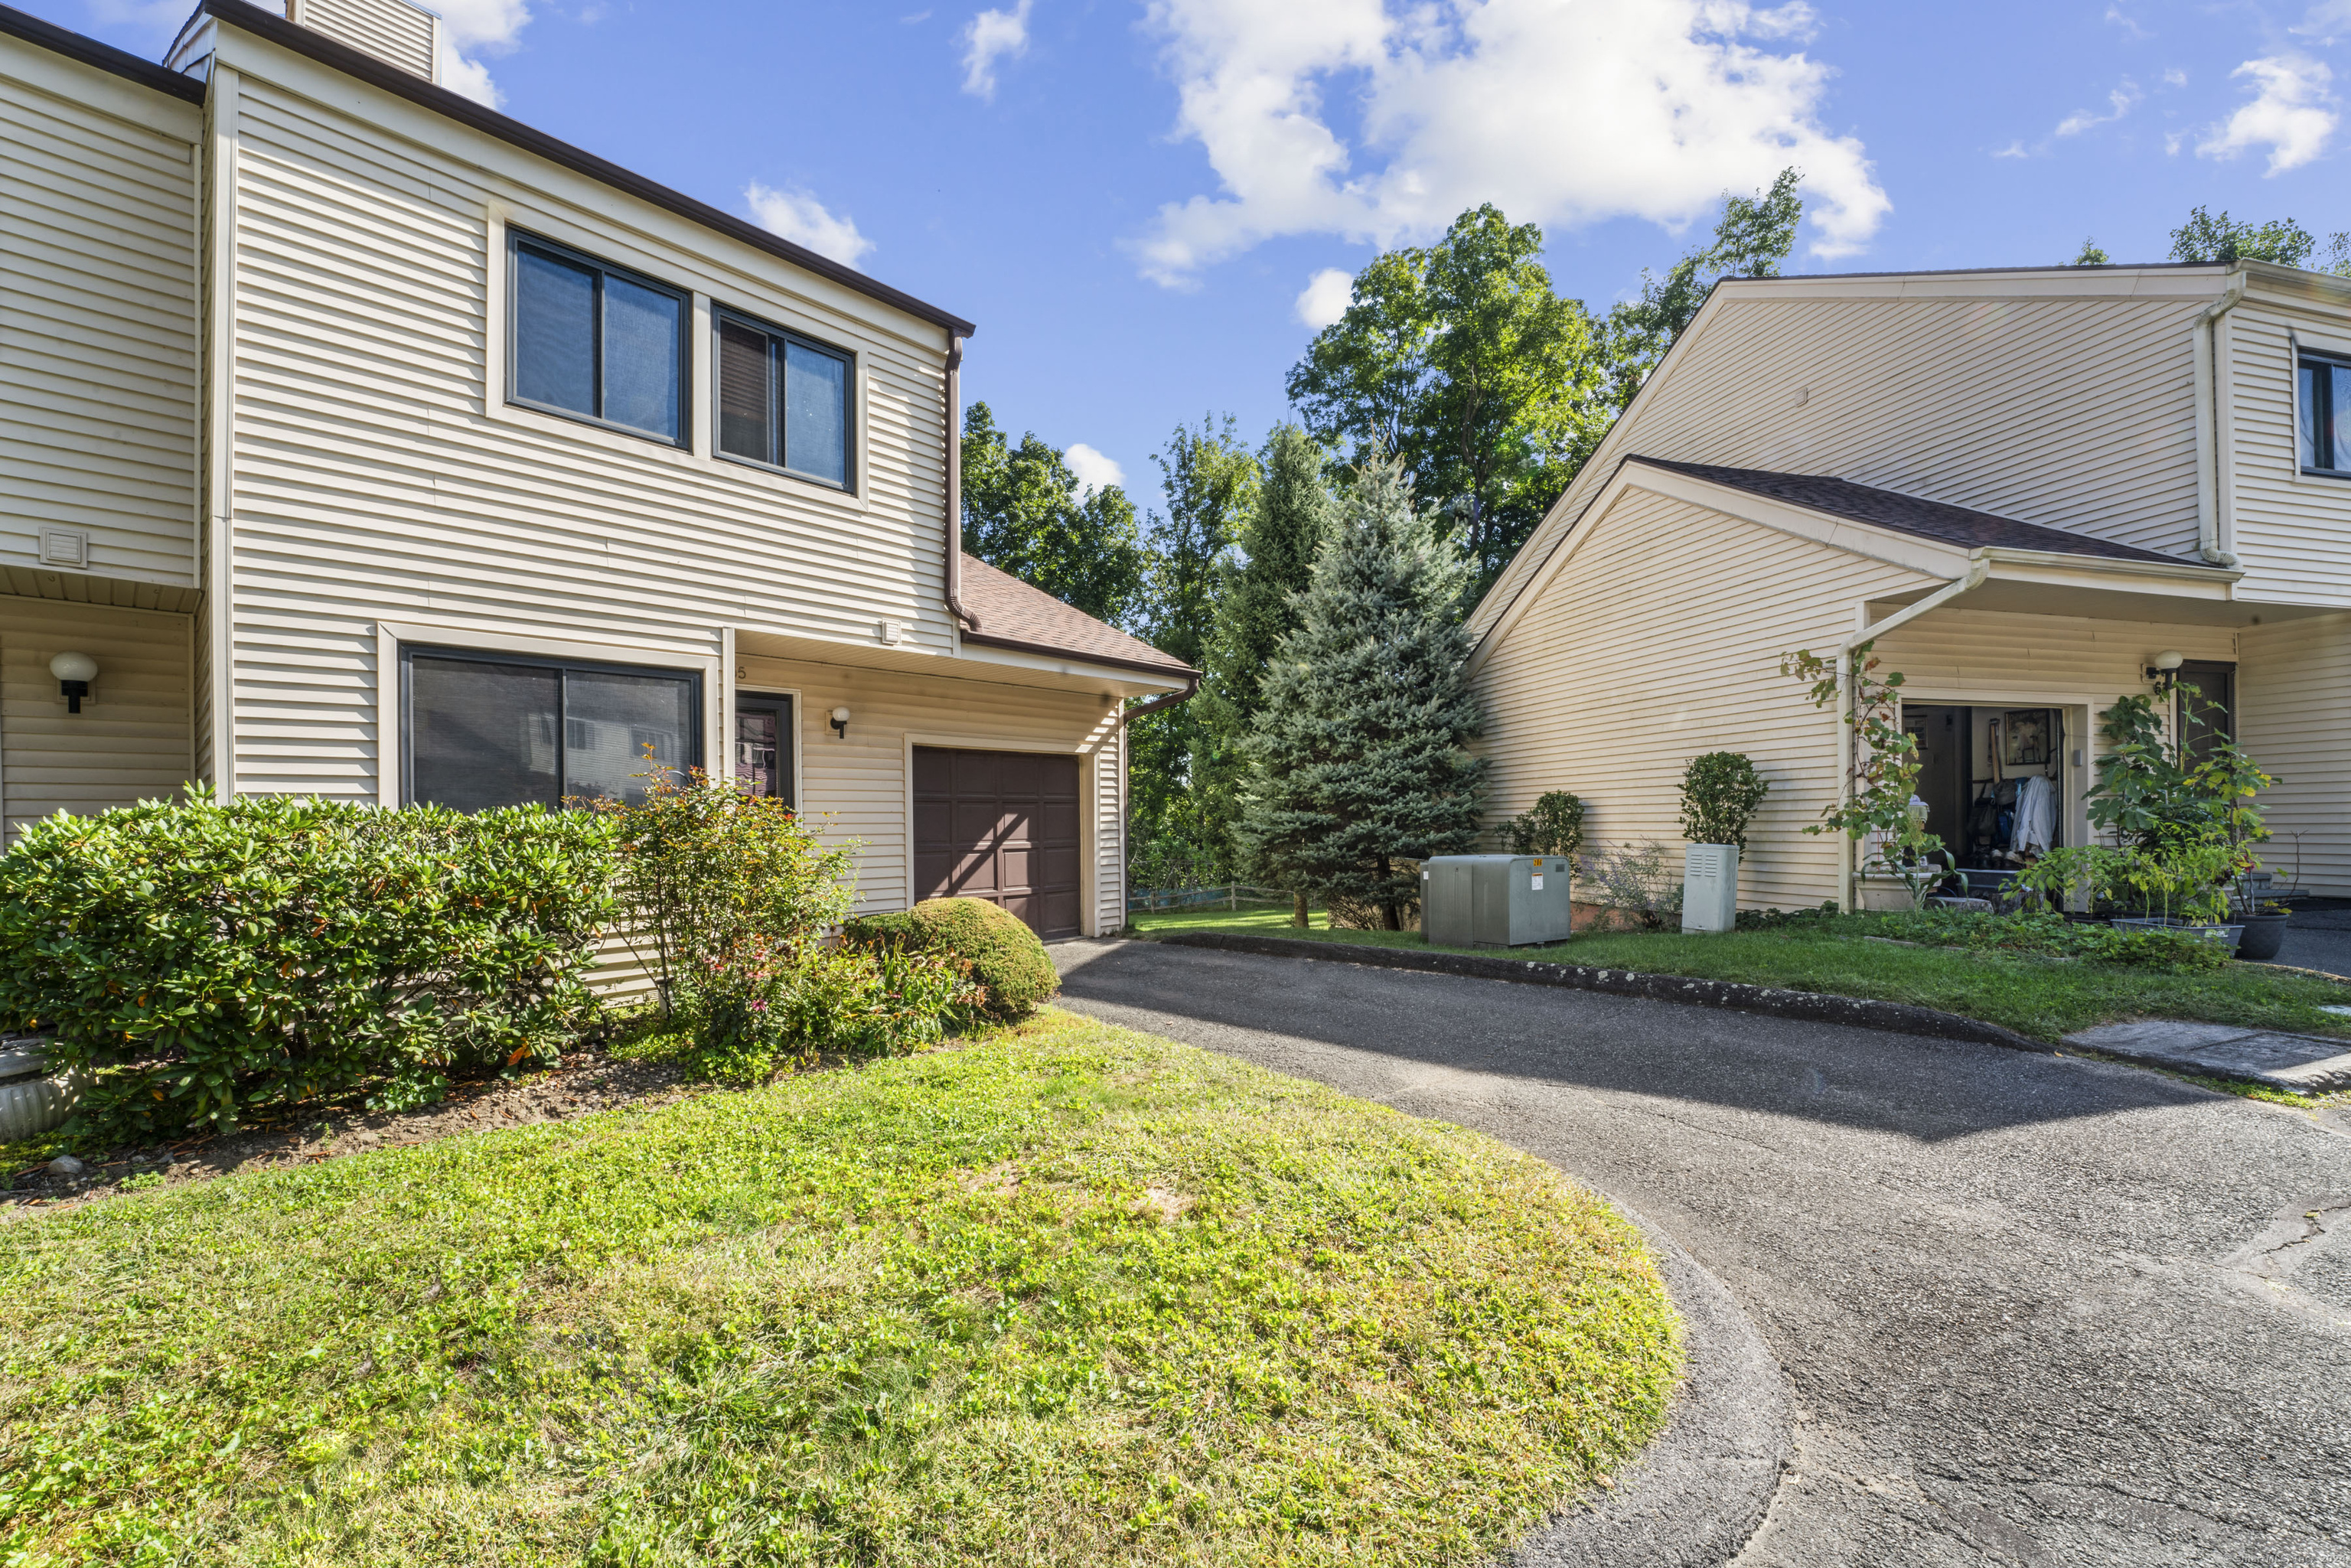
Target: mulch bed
(582, 1082)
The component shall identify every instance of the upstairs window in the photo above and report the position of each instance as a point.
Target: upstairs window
(782, 400)
(596, 342)
(2325, 401)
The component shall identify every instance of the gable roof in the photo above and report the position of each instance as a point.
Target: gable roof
(399, 83)
(1012, 614)
(1962, 526)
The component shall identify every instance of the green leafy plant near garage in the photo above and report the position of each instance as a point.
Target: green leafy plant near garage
(205, 961)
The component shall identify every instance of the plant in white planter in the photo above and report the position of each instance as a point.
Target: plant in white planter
(33, 1100)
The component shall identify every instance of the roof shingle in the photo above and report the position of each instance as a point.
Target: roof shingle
(1909, 514)
(1013, 614)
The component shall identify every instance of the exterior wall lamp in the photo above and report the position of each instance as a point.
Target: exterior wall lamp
(74, 673)
(841, 722)
(2166, 662)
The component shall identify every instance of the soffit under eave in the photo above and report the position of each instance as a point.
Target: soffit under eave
(974, 667)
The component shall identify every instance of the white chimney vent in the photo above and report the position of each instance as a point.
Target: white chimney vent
(392, 31)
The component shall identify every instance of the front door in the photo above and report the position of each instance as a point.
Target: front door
(1942, 736)
(1002, 826)
(763, 745)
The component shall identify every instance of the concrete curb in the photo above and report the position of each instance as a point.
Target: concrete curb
(1899, 1017)
(1697, 1493)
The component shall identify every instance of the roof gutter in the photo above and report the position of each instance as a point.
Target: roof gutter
(1848, 863)
(954, 520)
(1191, 689)
(2212, 445)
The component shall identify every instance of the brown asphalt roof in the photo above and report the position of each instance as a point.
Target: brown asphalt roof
(1013, 615)
(1909, 514)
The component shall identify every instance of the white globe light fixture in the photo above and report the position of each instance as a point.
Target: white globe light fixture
(2170, 660)
(74, 673)
(841, 722)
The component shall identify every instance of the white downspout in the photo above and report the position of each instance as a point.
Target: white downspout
(1848, 868)
(2212, 464)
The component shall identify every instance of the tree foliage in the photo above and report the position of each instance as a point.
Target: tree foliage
(1025, 513)
(2209, 236)
(1882, 766)
(1210, 479)
(1290, 516)
(1358, 758)
(1721, 793)
(2091, 256)
(1460, 362)
(1751, 238)
(1553, 825)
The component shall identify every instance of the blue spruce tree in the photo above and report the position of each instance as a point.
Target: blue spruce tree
(1357, 758)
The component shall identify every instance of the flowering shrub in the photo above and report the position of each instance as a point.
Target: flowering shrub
(760, 1009)
(203, 960)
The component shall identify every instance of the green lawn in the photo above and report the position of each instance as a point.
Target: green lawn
(1061, 1295)
(2044, 998)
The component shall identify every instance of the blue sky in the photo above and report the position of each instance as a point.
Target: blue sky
(1134, 201)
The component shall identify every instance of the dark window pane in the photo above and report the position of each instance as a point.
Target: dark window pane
(747, 426)
(482, 735)
(643, 329)
(816, 413)
(613, 723)
(2311, 381)
(2339, 424)
(555, 332)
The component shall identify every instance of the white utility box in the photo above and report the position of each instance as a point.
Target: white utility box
(1711, 887)
(1494, 901)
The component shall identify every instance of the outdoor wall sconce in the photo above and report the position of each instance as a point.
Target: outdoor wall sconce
(74, 673)
(841, 722)
(2165, 664)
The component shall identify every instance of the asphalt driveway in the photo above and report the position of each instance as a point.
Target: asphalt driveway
(2033, 1310)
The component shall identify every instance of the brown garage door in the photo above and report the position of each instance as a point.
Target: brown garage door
(999, 825)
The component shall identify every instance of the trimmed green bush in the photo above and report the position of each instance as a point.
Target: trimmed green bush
(1005, 957)
(1721, 793)
(205, 960)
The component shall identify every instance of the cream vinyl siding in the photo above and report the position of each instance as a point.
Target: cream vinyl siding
(2291, 531)
(379, 474)
(2293, 714)
(391, 30)
(858, 785)
(130, 741)
(98, 315)
(2069, 402)
(1660, 640)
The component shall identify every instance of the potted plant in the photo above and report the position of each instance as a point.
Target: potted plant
(2264, 922)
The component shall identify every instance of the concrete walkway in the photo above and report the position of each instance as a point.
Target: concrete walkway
(2033, 1309)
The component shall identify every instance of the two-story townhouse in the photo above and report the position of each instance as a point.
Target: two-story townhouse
(2038, 490)
(374, 444)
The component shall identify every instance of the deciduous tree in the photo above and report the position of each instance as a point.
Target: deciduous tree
(1025, 513)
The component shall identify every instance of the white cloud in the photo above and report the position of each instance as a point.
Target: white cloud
(993, 35)
(1326, 298)
(802, 219)
(2175, 77)
(2014, 149)
(470, 31)
(1560, 111)
(1094, 471)
(2120, 102)
(2290, 113)
(2327, 21)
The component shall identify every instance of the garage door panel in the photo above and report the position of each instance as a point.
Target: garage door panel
(1003, 826)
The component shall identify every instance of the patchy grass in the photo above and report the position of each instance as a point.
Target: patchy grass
(1063, 1295)
(2042, 996)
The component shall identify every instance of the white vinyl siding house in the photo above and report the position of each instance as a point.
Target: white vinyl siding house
(367, 467)
(2121, 444)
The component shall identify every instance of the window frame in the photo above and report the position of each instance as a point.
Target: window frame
(2322, 414)
(720, 315)
(518, 239)
(410, 652)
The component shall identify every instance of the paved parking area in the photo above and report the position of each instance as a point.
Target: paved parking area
(2033, 1309)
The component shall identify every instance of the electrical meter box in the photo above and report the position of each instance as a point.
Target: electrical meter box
(1711, 887)
(1494, 901)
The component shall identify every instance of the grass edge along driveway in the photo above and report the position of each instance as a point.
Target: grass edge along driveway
(1063, 1294)
(2044, 998)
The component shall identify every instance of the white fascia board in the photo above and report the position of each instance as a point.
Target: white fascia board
(2180, 581)
(2038, 283)
(1128, 683)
